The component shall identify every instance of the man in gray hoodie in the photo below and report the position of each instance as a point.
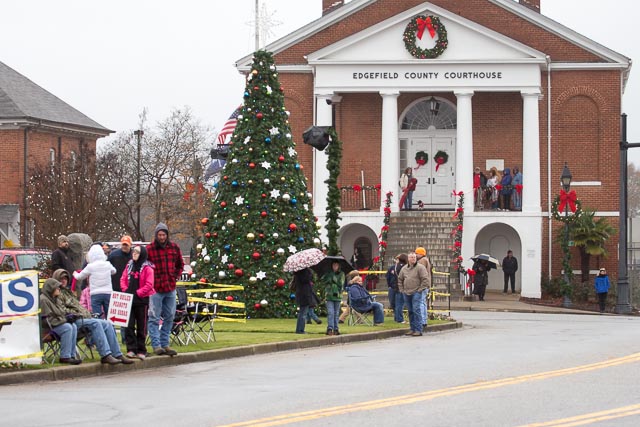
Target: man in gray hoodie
(413, 280)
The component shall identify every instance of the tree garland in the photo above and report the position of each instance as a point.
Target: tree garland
(378, 262)
(416, 27)
(334, 196)
(456, 233)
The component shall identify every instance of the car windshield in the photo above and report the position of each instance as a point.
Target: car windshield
(29, 261)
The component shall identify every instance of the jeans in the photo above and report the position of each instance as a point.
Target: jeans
(103, 336)
(408, 201)
(512, 277)
(396, 302)
(517, 201)
(413, 303)
(602, 301)
(378, 312)
(68, 333)
(100, 304)
(311, 315)
(162, 305)
(333, 313)
(302, 316)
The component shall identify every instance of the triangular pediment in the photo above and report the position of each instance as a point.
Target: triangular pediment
(468, 42)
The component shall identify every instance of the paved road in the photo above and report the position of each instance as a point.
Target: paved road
(502, 369)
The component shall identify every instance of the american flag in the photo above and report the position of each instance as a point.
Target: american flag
(229, 126)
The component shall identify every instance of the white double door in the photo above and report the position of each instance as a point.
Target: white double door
(435, 187)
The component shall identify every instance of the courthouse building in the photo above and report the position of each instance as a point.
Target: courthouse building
(491, 83)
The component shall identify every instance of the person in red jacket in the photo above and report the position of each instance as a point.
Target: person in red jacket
(137, 279)
(168, 264)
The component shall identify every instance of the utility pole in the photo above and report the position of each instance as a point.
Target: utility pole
(257, 23)
(138, 133)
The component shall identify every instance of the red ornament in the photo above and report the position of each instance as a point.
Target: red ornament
(256, 88)
(203, 280)
(256, 255)
(225, 177)
(263, 214)
(281, 158)
(280, 283)
(223, 204)
(257, 305)
(264, 195)
(239, 272)
(252, 165)
(204, 221)
(229, 298)
(231, 266)
(207, 235)
(259, 116)
(215, 235)
(261, 236)
(293, 227)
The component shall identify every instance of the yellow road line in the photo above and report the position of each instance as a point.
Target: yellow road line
(594, 417)
(428, 395)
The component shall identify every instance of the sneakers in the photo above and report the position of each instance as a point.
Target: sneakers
(125, 360)
(408, 333)
(170, 352)
(336, 332)
(141, 356)
(109, 359)
(159, 351)
(70, 360)
(416, 334)
(330, 332)
(131, 355)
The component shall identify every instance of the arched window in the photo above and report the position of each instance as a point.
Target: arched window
(430, 114)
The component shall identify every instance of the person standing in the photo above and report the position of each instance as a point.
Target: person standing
(481, 279)
(517, 186)
(119, 259)
(412, 280)
(479, 182)
(138, 280)
(166, 258)
(60, 257)
(505, 192)
(408, 184)
(333, 282)
(304, 299)
(396, 300)
(99, 271)
(509, 267)
(421, 256)
(602, 285)
(492, 182)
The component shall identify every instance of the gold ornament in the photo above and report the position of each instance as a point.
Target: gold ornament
(251, 237)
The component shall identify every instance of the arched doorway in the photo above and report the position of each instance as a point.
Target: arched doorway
(496, 239)
(429, 125)
(361, 238)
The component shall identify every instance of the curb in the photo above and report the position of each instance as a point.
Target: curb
(98, 369)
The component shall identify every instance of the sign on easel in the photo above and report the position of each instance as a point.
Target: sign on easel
(120, 308)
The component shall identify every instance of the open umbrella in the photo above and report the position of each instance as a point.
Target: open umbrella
(493, 263)
(303, 259)
(324, 266)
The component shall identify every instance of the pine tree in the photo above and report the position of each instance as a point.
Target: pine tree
(262, 211)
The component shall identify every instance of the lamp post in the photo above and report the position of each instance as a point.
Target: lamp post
(565, 180)
(138, 133)
(623, 304)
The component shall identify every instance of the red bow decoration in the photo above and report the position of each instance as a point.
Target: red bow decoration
(357, 188)
(439, 161)
(498, 187)
(471, 272)
(519, 188)
(387, 211)
(425, 23)
(458, 193)
(569, 198)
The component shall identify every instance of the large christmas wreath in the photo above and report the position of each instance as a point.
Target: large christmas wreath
(440, 158)
(416, 28)
(422, 158)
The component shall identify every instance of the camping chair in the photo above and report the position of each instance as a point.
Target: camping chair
(179, 334)
(50, 342)
(357, 317)
(200, 321)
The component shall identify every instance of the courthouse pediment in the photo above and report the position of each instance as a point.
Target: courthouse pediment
(468, 42)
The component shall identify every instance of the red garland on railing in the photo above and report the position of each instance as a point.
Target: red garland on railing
(456, 233)
(378, 263)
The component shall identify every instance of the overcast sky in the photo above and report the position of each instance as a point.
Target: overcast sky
(110, 59)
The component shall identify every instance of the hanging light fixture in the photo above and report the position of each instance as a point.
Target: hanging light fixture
(434, 106)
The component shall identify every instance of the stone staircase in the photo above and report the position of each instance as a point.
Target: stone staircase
(431, 230)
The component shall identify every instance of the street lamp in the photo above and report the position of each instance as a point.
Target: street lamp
(434, 106)
(623, 304)
(565, 180)
(138, 133)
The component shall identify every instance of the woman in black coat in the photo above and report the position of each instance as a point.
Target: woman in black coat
(481, 279)
(304, 297)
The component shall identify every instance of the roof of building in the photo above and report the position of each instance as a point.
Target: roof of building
(22, 99)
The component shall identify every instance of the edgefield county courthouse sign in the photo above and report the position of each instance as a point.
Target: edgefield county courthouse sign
(494, 76)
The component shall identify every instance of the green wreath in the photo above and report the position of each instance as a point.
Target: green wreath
(559, 216)
(422, 158)
(410, 33)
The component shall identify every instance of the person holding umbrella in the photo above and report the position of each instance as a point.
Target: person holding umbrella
(481, 279)
(304, 298)
(333, 282)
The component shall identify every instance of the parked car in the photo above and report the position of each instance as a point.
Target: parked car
(17, 259)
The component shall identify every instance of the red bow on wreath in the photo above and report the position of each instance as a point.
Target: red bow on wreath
(440, 161)
(425, 23)
(569, 198)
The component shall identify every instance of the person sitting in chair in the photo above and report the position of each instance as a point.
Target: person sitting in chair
(362, 301)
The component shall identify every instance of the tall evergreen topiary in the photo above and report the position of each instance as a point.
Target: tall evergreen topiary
(262, 211)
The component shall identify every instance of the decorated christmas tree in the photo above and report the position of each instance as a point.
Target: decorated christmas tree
(262, 210)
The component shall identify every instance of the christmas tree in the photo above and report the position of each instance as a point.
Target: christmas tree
(262, 211)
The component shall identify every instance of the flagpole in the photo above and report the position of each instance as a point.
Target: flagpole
(257, 25)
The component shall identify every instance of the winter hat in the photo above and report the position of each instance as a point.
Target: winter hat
(421, 251)
(161, 227)
(126, 240)
(62, 239)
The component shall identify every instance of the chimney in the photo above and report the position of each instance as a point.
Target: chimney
(531, 4)
(331, 5)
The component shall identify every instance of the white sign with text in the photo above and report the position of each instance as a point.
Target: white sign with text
(120, 308)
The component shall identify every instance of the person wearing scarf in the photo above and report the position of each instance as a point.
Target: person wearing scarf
(137, 279)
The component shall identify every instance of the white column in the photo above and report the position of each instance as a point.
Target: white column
(389, 152)
(531, 153)
(320, 171)
(464, 148)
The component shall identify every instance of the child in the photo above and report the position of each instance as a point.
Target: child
(100, 271)
(137, 279)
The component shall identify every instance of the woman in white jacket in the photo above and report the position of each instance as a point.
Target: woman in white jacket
(99, 270)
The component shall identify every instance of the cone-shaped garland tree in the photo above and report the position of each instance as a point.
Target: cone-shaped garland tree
(262, 211)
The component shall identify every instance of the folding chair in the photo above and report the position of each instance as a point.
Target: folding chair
(357, 317)
(84, 345)
(179, 334)
(200, 321)
(50, 342)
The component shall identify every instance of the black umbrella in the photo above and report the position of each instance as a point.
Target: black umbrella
(317, 137)
(324, 266)
(493, 263)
